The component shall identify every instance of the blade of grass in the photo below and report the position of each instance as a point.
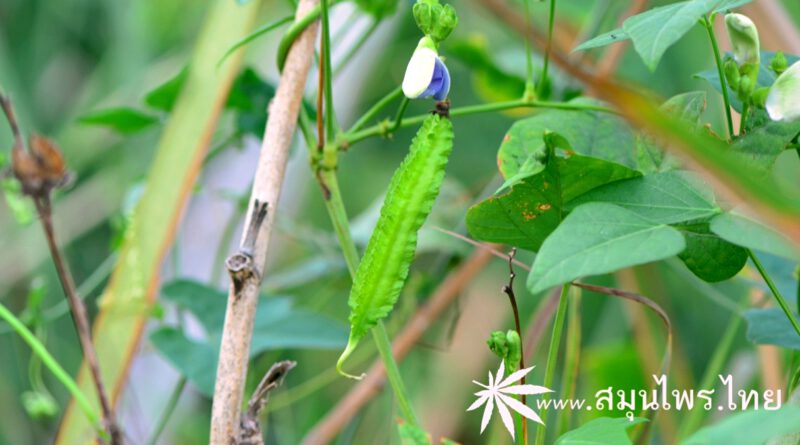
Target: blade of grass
(126, 303)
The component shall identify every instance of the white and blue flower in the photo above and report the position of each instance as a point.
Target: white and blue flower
(783, 100)
(426, 74)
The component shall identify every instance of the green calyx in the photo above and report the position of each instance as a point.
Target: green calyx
(435, 20)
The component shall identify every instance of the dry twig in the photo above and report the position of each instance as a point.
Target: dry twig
(249, 427)
(40, 168)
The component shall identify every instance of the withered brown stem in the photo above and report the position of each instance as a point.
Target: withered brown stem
(249, 426)
(40, 169)
(509, 290)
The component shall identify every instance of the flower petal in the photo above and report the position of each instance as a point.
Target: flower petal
(500, 372)
(505, 416)
(487, 413)
(518, 407)
(419, 72)
(444, 89)
(525, 389)
(515, 377)
(783, 100)
(481, 400)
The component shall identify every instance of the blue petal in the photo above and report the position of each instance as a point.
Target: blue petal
(440, 82)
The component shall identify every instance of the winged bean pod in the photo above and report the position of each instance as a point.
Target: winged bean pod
(390, 250)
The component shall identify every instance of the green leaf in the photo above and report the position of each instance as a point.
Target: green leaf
(666, 198)
(710, 257)
(581, 174)
(687, 107)
(195, 360)
(771, 327)
(653, 31)
(377, 8)
(589, 133)
(613, 36)
(277, 324)
(163, 97)
(746, 232)
(598, 238)
(749, 428)
(620, 34)
(522, 217)
(762, 146)
(250, 97)
(526, 214)
(391, 248)
(298, 329)
(602, 431)
(122, 120)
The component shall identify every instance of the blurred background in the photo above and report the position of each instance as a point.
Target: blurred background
(63, 61)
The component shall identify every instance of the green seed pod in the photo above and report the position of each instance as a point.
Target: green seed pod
(779, 64)
(391, 248)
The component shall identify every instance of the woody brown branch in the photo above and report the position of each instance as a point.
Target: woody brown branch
(243, 295)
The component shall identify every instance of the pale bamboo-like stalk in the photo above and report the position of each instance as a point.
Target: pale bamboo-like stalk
(243, 296)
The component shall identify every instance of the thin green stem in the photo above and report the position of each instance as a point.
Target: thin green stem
(388, 128)
(781, 301)
(552, 356)
(401, 111)
(720, 72)
(296, 29)
(327, 70)
(341, 224)
(743, 120)
(50, 362)
(356, 47)
(252, 36)
(172, 403)
(376, 109)
(393, 373)
(545, 65)
(714, 368)
(529, 81)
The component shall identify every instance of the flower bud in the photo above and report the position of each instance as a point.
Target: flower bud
(744, 39)
(783, 100)
(426, 74)
(434, 19)
(778, 64)
(445, 24)
(760, 96)
(746, 88)
(39, 405)
(732, 74)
